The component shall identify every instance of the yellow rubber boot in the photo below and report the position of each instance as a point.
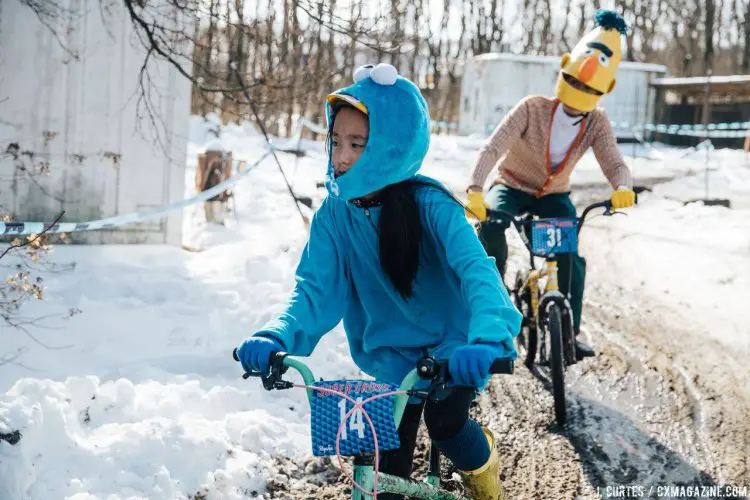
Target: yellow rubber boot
(484, 482)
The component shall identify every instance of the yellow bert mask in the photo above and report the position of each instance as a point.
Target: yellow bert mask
(589, 71)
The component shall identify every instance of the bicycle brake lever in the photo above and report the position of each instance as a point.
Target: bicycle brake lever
(610, 211)
(440, 382)
(428, 392)
(270, 382)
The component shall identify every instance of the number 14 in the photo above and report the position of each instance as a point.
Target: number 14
(356, 421)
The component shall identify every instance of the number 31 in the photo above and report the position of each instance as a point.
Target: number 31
(554, 237)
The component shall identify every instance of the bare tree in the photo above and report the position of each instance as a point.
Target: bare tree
(582, 17)
(396, 32)
(24, 284)
(629, 7)
(546, 35)
(564, 28)
(292, 53)
(708, 33)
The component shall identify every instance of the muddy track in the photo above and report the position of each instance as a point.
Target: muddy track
(659, 405)
(636, 417)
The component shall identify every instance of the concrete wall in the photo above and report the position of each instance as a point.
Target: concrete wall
(72, 102)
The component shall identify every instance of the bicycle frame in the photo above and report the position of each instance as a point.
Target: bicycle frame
(549, 312)
(551, 291)
(538, 303)
(535, 275)
(364, 470)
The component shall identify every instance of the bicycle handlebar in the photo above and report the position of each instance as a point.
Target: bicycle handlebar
(607, 204)
(498, 215)
(427, 367)
(495, 215)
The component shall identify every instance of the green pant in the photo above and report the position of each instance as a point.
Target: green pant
(516, 202)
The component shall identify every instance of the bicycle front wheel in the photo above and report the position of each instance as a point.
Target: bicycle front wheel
(527, 337)
(557, 363)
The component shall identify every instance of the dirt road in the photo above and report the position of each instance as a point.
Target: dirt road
(661, 406)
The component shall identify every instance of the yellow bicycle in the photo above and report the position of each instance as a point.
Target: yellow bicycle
(547, 325)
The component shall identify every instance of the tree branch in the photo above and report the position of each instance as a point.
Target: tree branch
(32, 240)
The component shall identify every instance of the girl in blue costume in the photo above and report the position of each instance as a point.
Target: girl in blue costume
(392, 254)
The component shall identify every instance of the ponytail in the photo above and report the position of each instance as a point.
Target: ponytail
(399, 236)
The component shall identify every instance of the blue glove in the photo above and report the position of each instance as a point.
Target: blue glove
(255, 353)
(470, 364)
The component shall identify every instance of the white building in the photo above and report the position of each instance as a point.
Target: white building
(79, 114)
(494, 83)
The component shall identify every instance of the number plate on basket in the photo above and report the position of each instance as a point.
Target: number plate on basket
(327, 410)
(554, 236)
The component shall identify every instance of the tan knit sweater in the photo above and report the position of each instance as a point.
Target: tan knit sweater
(523, 139)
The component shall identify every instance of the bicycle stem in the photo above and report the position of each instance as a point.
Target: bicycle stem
(399, 405)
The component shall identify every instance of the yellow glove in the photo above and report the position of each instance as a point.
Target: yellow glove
(477, 205)
(623, 198)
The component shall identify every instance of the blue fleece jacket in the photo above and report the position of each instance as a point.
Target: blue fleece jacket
(458, 296)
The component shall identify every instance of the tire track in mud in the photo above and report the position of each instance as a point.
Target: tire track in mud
(537, 460)
(712, 374)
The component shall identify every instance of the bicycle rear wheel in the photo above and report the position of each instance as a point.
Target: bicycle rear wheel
(557, 361)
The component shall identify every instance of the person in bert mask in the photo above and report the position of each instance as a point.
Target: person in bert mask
(539, 144)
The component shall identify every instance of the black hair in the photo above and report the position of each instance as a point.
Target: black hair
(399, 235)
(400, 227)
(400, 231)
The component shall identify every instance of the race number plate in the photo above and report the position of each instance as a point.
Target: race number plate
(327, 411)
(554, 236)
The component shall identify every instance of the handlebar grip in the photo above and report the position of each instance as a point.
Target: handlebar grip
(502, 366)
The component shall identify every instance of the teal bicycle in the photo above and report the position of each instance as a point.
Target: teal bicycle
(338, 423)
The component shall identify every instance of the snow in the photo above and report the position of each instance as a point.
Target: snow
(138, 397)
(695, 258)
(728, 177)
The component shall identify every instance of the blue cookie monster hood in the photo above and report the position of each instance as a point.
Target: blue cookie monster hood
(398, 140)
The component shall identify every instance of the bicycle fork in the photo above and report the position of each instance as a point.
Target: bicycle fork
(532, 284)
(364, 475)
